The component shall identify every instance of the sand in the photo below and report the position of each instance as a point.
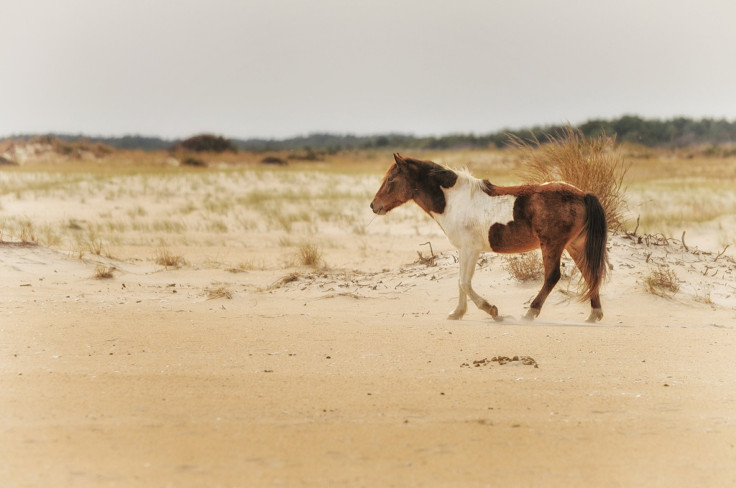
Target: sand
(346, 377)
(348, 374)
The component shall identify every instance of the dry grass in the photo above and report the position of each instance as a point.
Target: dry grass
(525, 267)
(662, 281)
(27, 233)
(103, 272)
(309, 255)
(165, 258)
(594, 165)
(290, 278)
(219, 292)
(129, 202)
(96, 246)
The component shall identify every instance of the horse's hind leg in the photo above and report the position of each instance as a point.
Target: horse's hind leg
(551, 259)
(468, 260)
(575, 251)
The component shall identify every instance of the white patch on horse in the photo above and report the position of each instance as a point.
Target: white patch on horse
(470, 213)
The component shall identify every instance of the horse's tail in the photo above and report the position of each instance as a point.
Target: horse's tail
(595, 256)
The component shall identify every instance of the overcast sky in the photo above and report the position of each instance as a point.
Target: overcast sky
(270, 68)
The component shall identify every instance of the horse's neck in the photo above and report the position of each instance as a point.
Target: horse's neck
(470, 212)
(459, 210)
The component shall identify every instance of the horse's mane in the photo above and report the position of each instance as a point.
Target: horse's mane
(475, 184)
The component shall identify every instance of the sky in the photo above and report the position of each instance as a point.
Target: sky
(283, 68)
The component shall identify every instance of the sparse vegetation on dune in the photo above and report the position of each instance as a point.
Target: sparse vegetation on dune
(662, 281)
(310, 255)
(134, 199)
(103, 272)
(164, 257)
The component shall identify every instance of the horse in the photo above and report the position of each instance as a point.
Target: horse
(478, 216)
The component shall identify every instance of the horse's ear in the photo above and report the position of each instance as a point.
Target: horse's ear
(400, 161)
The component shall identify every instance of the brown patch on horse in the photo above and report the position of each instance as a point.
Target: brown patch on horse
(414, 179)
(516, 235)
(429, 179)
(543, 216)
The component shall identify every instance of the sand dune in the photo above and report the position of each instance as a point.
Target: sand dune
(243, 367)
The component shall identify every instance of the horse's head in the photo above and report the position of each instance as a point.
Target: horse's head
(395, 189)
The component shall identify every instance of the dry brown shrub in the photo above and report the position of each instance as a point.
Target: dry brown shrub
(27, 232)
(290, 278)
(525, 267)
(593, 164)
(103, 272)
(166, 259)
(662, 282)
(310, 255)
(220, 292)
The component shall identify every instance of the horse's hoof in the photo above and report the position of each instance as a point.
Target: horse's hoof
(491, 310)
(595, 315)
(531, 314)
(455, 315)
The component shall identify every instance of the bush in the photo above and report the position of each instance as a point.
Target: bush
(192, 161)
(525, 267)
(663, 282)
(205, 143)
(592, 164)
(310, 255)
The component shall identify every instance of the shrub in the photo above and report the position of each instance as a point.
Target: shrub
(662, 281)
(274, 160)
(525, 267)
(27, 232)
(310, 255)
(166, 259)
(205, 143)
(194, 162)
(592, 164)
(103, 272)
(221, 292)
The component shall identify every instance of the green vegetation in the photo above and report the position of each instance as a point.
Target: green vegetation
(205, 143)
(671, 133)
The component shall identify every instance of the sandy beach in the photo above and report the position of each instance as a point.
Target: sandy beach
(242, 366)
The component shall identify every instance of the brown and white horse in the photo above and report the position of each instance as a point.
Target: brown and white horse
(478, 216)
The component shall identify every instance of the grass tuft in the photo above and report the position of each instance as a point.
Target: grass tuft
(592, 164)
(27, 232)
(220, 292)
(165, 258)
(525, 267)
(310, 255)
(103, 272)
(662, 282)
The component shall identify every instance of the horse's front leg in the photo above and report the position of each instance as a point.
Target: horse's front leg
(468, 260)
(466, 264)
(462, 306)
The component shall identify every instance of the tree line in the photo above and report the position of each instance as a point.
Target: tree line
(671, 133)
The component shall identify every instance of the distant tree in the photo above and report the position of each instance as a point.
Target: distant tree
(205, 143)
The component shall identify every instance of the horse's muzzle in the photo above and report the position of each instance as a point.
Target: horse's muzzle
(377, 209)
